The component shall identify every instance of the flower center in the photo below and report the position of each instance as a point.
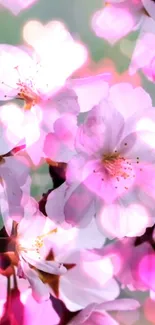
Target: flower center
(37, 244)
(28, 95)
(119, 169)
(117, 166)
(27, 91)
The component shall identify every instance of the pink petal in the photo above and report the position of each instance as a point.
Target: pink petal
(112, 23)
(146, 270)
(90, 90)
(84, 315)
(79, 206)
(74, 169)
(66, 101)
(54, 209)
(57, 150)
(117, 221)
(78, 289)
(97, 135)
(128, 100)
(101, 318)
(59, 146)
(120, 304)
(144, 46)
(35, 313)
(65, 128)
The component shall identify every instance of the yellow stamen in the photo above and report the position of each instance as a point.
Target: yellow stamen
(48, 233)
(29, 96)
(52, 162)
(116, 165)
(38, 243)
(28, 106)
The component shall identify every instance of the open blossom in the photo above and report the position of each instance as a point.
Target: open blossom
(111, 177)
(41, 83)
(25, 78)
(50, 258)
(47, 251)
(32, 79)
(36, 77)
(89, 278)
(30, 233)
(119, 18)
(30, 248)
(15, 6)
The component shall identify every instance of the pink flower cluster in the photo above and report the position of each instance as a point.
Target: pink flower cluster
(78, 253)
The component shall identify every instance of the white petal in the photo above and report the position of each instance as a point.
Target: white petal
(40, 291)
(90, 90)
(128, 100)
(117, 221)
(52, 267)
(77, 288)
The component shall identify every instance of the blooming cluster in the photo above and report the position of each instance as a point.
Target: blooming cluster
(78, 252)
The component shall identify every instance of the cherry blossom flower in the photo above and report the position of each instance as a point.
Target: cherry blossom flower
(109, 176)
(29, 241)
(16, 6)
(46, 98)
(33, 75)
(88, 279)
(97, 313)
(118, 18)
(47, 251)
